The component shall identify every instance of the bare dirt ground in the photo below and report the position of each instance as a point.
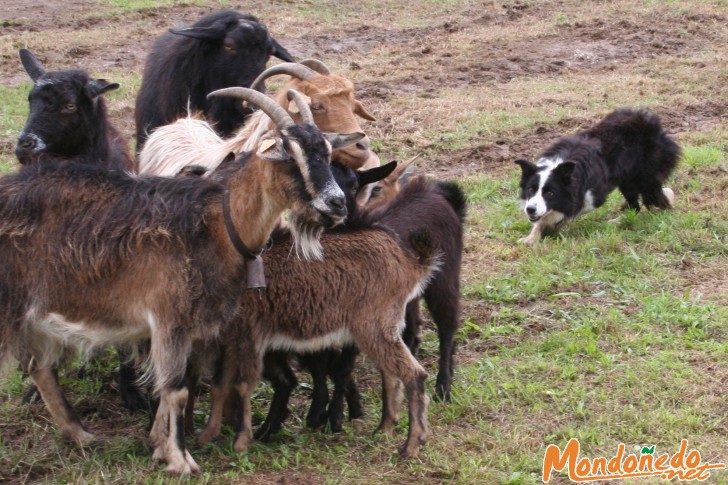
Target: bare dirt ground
(455, 51)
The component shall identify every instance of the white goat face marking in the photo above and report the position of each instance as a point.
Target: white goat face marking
(40, 145)
(331, 191)
(302, 165)
(537, 201)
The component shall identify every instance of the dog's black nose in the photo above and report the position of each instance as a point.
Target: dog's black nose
(530, 210)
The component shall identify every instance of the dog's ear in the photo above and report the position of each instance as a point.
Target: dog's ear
(527, 169)
(563, 171)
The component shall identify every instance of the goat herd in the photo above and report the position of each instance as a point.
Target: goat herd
(180, 255)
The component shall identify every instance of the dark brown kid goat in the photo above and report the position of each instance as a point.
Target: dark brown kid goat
(330, 303)
(93, 257)
(440, 208)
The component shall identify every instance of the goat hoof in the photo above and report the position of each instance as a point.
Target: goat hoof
(266, 430)
(386, 428)
(358, 424)
(206, 437)
(185, 467)
(316, 420)
(670, 195)
(241, 442)
(134, 401)
(81, 437)
(442, 395)
(412, 447)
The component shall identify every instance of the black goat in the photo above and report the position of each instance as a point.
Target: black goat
(438, 206)
(68, 119)
(223, 49)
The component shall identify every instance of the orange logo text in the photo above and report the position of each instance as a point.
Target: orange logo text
(683, 465)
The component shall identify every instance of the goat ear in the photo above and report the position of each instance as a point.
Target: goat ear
(404, 169)
(31, 64)
(359, 110)
(280, 52)
(97, 87)
(216, 31)
(375, 174)
(527, 169)
(343, 140)
(193, 171)
(273, 150)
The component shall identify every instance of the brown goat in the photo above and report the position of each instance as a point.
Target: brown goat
(93, 257)
(192, 141)
(328, 303)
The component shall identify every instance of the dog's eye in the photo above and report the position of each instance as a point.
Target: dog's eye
(548, 193)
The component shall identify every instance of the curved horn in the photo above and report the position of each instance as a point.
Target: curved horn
(303, 107)
(269, 106)
(291, 68)
(317, 66)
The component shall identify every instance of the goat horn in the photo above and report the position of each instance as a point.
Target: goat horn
(317, 66)
(268, 105)
(303, 107)
(294, 69)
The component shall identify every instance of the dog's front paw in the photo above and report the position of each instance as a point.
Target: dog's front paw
(529, 240)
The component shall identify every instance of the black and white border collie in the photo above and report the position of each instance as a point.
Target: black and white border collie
(628, 149)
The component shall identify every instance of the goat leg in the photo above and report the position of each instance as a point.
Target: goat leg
(418, 429)
(168, 433)
(131, 396)
(249, 370)
(318, 363)
(399, 366)
(391, 403)
(46, 380)
(443, 303)
(221, 382)
(340, 371)
(278, 372)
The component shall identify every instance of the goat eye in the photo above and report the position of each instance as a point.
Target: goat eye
(317, 107)
(229, 46)
(69, 108)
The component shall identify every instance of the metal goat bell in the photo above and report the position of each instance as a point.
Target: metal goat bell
(254, 272)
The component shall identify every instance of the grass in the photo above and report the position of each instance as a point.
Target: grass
(610, 332)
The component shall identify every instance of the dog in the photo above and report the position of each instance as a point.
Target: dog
(629, 150)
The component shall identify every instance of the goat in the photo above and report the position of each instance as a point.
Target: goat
(190, 141)
(321, 304)
(93, 257)
(438, 206)
(222, 49)
(68, 118)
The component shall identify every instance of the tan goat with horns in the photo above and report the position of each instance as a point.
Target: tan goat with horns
(191, 141)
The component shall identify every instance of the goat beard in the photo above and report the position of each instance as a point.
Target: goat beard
(306, 238)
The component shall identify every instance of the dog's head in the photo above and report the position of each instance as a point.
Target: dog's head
(546, 187)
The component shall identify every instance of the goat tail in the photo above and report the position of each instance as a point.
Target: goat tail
(424, 246)
(455, 196)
